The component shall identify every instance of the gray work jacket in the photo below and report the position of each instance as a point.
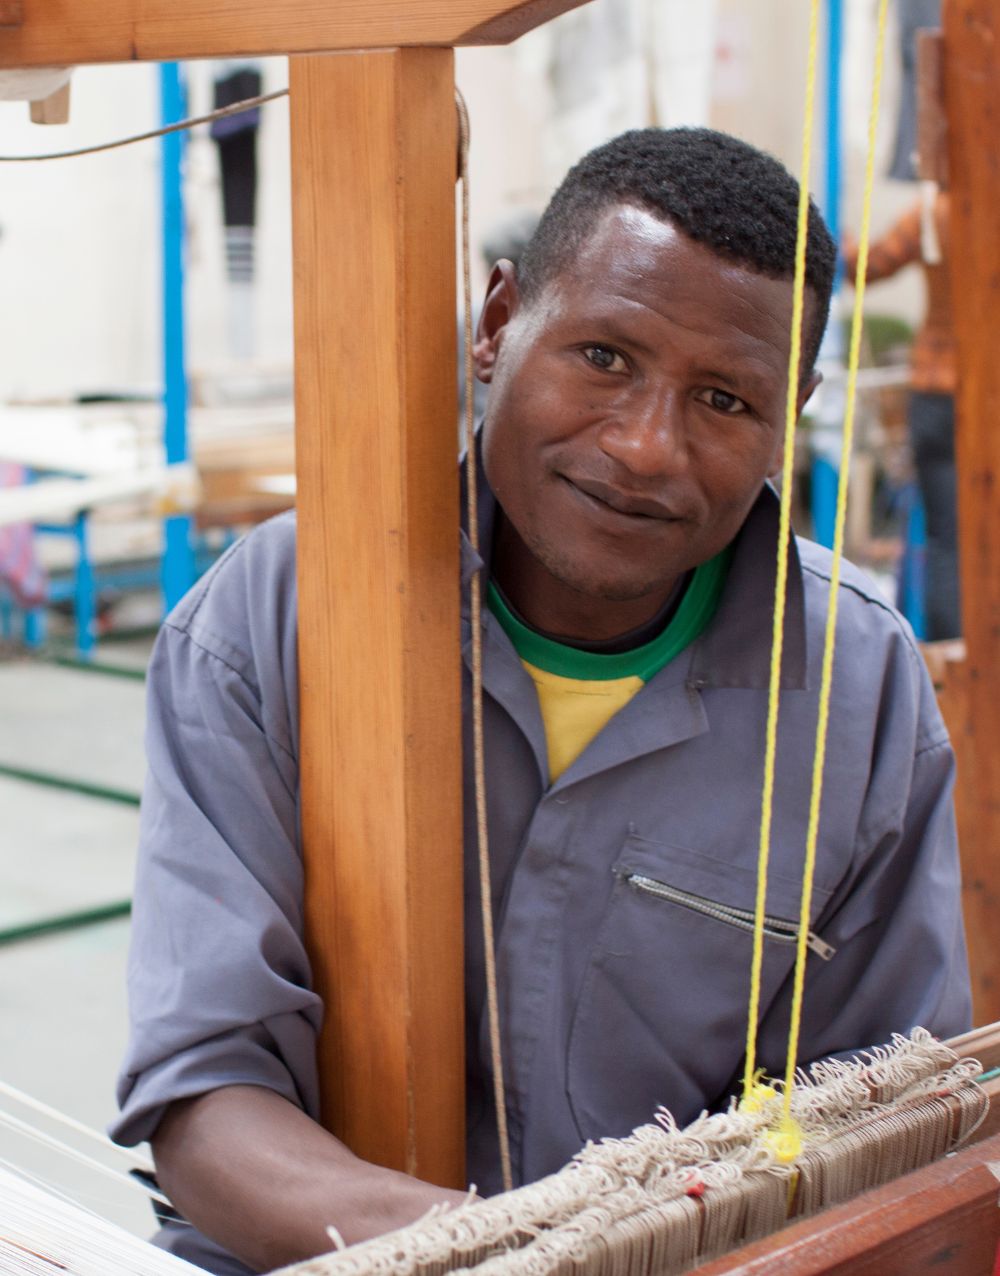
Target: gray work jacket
(620, 891)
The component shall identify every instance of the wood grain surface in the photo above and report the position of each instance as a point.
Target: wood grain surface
(72, 32)
(373, 154)
(972, 690)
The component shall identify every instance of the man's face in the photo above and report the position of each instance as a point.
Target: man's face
(636, 407)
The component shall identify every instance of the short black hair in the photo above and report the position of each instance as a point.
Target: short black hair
(720, 191)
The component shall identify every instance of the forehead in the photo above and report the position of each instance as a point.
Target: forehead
(638, 269)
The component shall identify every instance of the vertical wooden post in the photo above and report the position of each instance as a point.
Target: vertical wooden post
(373, 154)
(972, 99)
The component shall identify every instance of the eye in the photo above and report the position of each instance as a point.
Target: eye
(723, 401)
(605, 358)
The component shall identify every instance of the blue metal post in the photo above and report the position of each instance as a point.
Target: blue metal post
(912, 582)
(828, 430)
(84, 606)
(178, 554)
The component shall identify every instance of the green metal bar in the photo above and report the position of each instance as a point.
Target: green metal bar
(65, 921)
(94, 666)
(130, 634)
(69, 785)
(989, 1076)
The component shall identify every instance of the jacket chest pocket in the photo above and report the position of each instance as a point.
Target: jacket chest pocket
(776, 929)
(661, 1016)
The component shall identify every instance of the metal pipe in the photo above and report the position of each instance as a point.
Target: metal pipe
(69, 785)
(65, 921)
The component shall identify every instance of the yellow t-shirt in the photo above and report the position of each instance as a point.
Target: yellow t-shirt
(574, 710)
(579, 692)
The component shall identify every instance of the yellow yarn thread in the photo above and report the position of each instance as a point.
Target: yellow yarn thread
(784, 528)
(819, 755)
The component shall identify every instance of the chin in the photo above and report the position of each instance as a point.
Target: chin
(611, 588)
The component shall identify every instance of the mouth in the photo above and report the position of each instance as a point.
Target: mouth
(611, 500)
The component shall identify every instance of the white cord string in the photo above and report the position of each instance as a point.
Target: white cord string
(235, 109)
(478, 745)
(36, 1105)
(57, 1145)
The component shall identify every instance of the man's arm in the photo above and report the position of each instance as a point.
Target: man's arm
(220, 1074)
(261, 1178)
(887, 255)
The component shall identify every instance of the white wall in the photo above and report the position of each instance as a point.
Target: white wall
(79, 254)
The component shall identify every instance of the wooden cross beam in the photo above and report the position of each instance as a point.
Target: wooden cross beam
(72, 32)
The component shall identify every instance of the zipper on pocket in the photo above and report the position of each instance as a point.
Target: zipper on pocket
(776, 928)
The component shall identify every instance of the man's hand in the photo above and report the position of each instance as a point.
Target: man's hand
(260, 1178)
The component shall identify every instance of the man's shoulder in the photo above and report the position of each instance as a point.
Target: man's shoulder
(876, 647)
(245, 603)
(858, 592)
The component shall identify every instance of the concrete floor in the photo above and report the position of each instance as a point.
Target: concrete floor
(62, 997)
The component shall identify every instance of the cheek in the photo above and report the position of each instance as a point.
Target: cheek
(735, 461)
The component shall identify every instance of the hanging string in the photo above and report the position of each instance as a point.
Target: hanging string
(235, 109)
(781, 575)
(819, 755)
(476, 609)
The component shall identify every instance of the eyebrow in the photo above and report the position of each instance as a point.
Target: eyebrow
(612, 331)
(742, 378)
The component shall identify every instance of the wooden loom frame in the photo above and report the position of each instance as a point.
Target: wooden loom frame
(373, 166)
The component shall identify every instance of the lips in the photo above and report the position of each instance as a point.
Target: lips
(620, 502)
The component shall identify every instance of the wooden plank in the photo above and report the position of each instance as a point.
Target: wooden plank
(981, 1043)
(942, 1219)
(972, 95)
(72, 32)
(53, 109)
(373, 152)
(932, 119)
(948, 663)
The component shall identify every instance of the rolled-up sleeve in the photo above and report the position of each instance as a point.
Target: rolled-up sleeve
(219, 986)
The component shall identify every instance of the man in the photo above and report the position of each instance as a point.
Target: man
(637, 369)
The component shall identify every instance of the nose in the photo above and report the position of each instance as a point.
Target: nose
(648, 437)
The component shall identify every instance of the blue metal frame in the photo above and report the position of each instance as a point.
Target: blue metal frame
(828, 430)
(178, 573)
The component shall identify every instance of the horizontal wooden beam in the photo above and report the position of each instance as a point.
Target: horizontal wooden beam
(74, 32)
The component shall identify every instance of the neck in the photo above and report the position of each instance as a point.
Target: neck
(550, 605)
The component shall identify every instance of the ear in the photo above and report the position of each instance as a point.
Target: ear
(806, 393)
(502, 301)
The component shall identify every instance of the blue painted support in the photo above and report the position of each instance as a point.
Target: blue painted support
(35, 627)
(828, 430)
(178, 555)
(910, 593)
(834, 48)
(85, 601)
